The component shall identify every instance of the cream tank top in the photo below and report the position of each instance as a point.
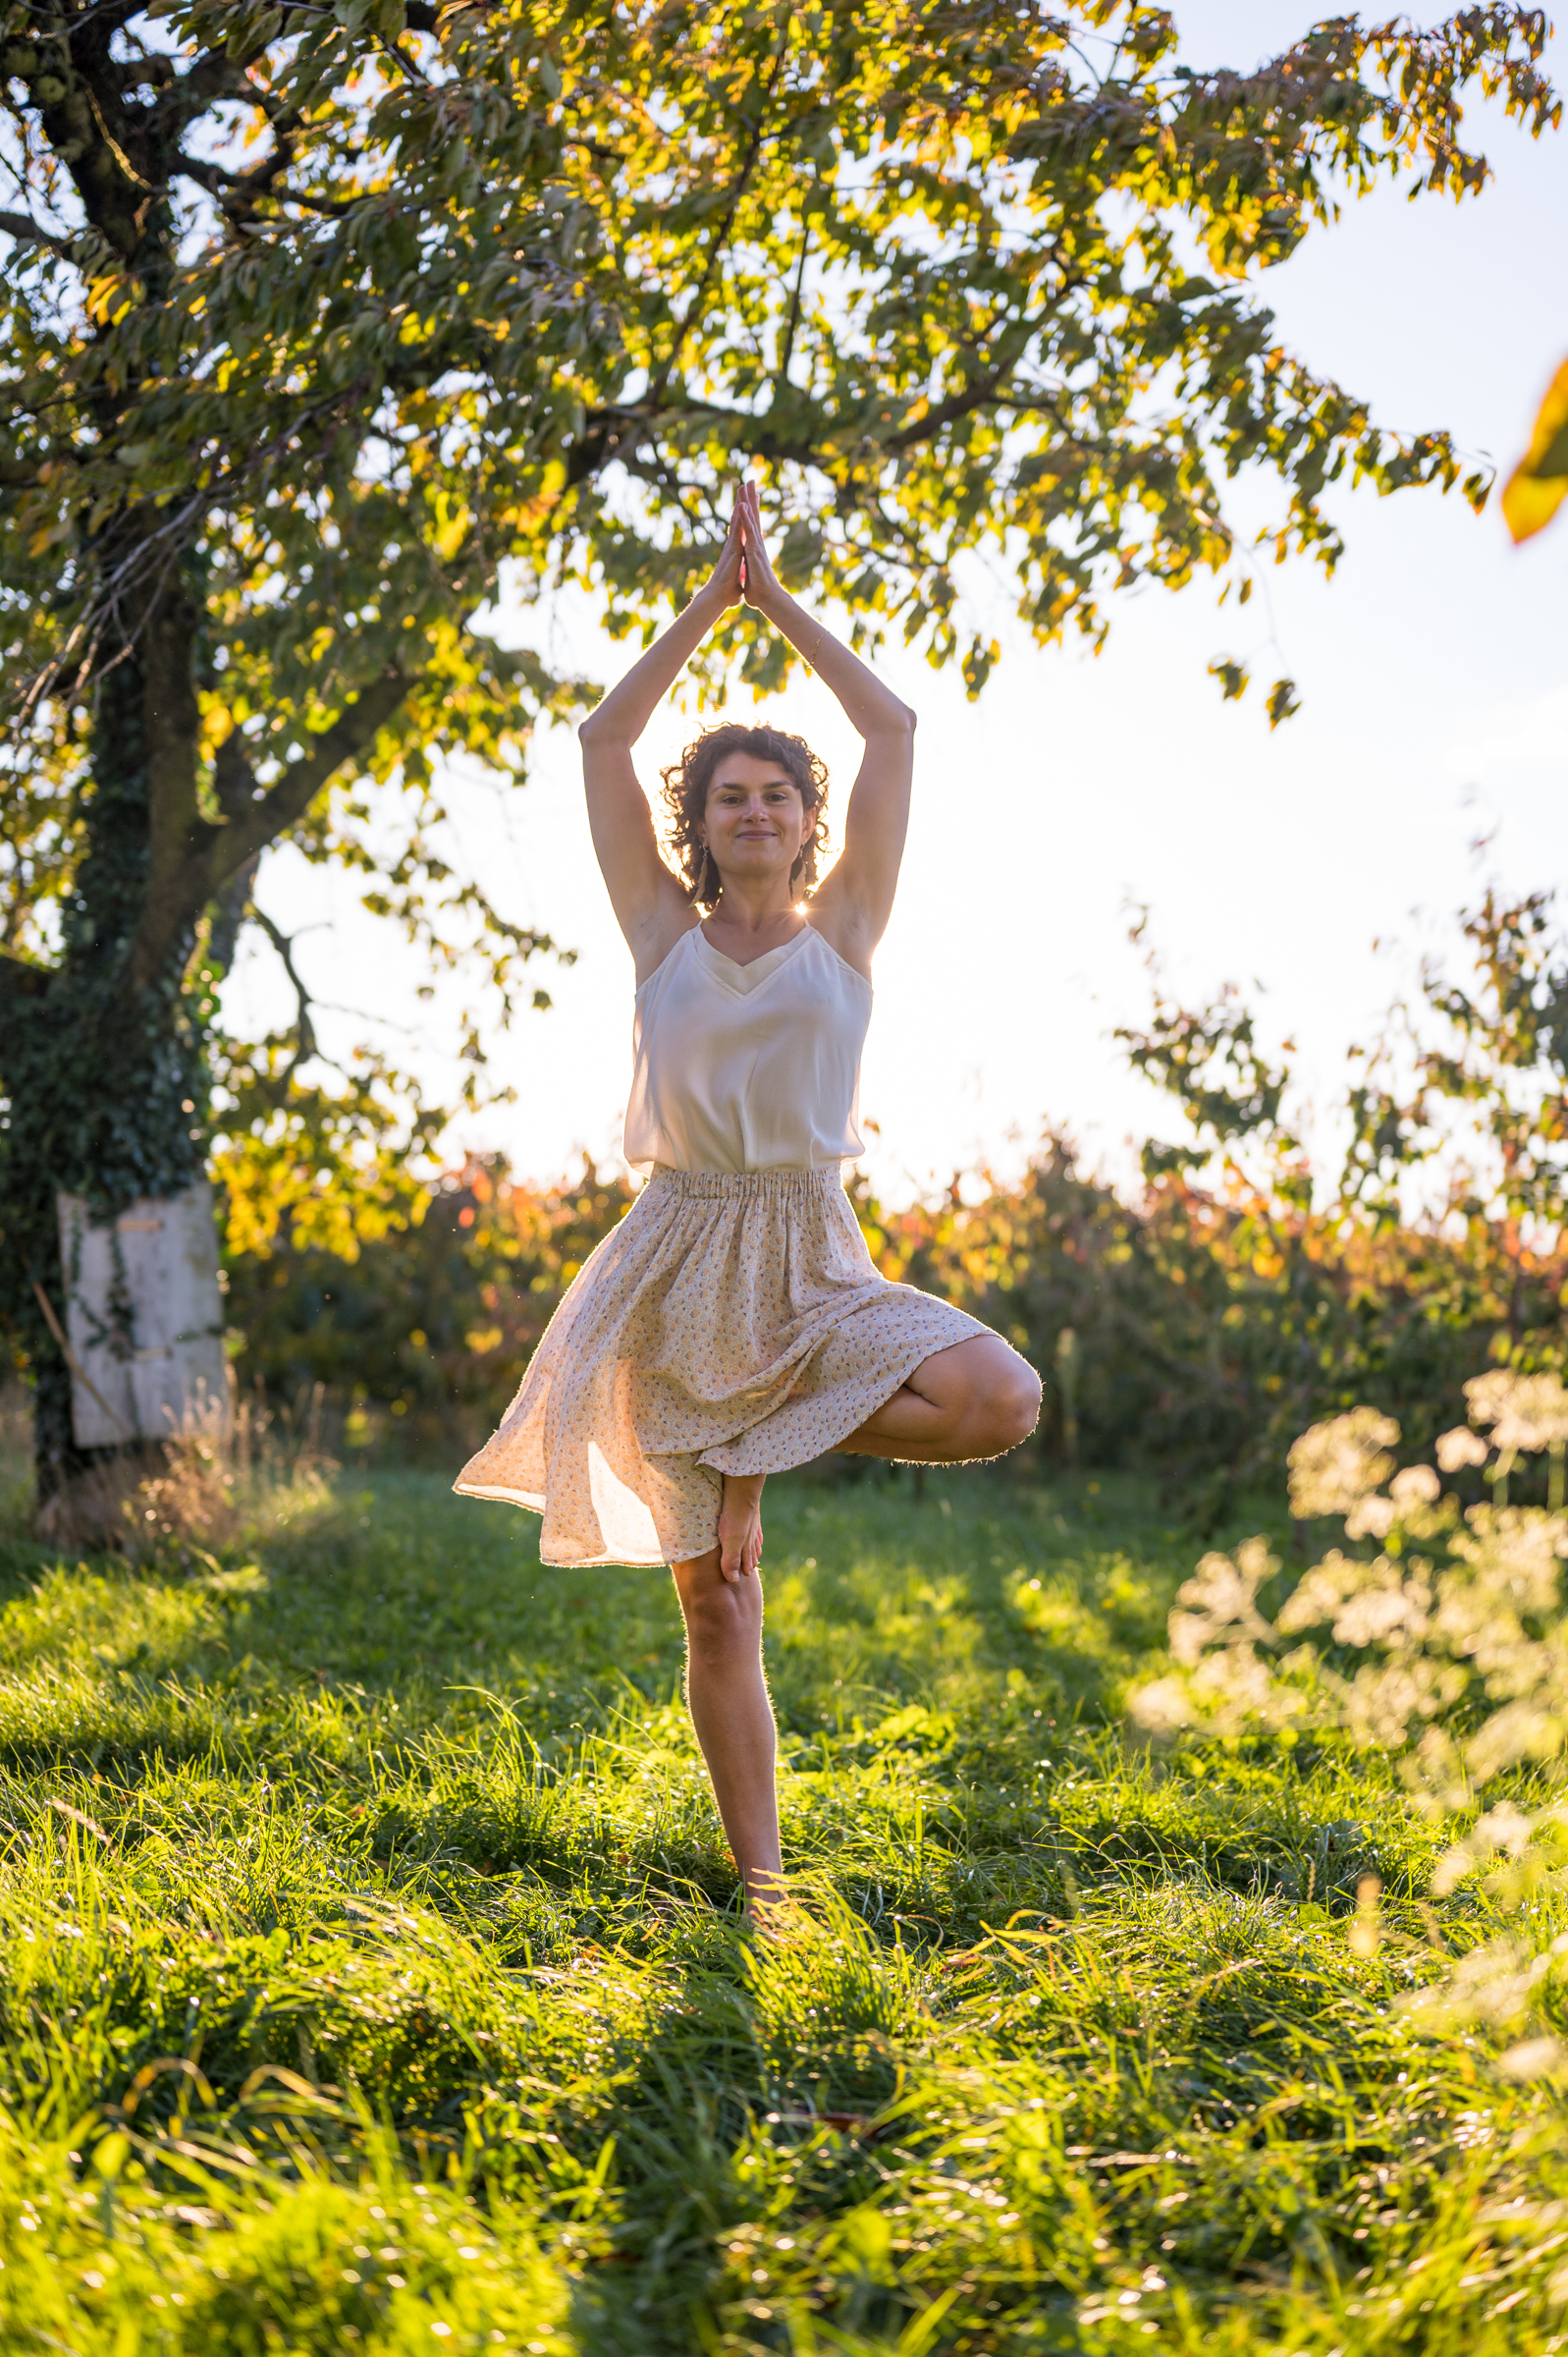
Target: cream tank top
(747, 1067)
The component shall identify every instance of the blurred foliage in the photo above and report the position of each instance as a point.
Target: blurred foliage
(1207, 1330)
(327, 1167)
(1539, 484)
(427, 1329)
(1193, 1333)
(1435, 1639)
(1203, 1332)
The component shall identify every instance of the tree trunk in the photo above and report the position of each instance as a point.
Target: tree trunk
(105, 1080)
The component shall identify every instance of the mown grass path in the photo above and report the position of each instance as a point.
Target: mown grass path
(372, 1979)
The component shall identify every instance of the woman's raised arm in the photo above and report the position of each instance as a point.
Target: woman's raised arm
(650, 907)
(853, 902)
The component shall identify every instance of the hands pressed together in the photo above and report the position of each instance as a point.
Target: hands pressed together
(744, 573)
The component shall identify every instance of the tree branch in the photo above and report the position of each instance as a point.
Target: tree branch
(304, 1029)
(722, 235)
(234, 781)
(336, 208)
(781, 372)
(108, 15)
(984, 388)
(260, 823)
(230, 909)
(214, 852)
(606, 430)
(22, 226)
(247, 187)
(172, 720)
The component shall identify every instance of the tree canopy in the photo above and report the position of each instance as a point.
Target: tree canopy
(334, 314)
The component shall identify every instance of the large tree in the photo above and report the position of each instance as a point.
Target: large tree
(328, 321)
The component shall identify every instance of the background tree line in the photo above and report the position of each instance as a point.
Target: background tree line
(1194, 1331)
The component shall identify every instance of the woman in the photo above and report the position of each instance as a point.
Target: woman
(733, 1323)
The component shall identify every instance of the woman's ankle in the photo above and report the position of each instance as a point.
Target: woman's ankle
(767, 1891)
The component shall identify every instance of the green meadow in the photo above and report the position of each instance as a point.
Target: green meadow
(373, 1977)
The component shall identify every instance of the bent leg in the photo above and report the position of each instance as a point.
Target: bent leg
(727, 1697)
(976, 1400)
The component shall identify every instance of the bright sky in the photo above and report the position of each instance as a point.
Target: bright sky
(1433, 670)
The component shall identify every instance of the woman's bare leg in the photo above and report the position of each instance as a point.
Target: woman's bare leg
(977, 1398)
(721, 1597)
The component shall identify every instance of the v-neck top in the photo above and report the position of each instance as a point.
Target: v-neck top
(747, 1067)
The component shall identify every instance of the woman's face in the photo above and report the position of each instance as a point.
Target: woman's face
(755, 821)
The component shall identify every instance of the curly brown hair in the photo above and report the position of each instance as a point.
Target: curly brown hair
(686, 783)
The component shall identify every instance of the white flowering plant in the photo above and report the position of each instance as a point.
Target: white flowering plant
(1437, 1633)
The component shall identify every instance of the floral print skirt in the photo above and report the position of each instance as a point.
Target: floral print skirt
(732, 1323)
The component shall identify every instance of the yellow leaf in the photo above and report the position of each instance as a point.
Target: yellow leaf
(1539, 483)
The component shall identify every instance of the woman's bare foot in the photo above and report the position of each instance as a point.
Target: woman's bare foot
(740, 1525)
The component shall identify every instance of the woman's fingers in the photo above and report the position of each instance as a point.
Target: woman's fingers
(739, 1552)
(735, 1553)
(758, 574)
(729, 575)
(741, 1527)
(742, 520)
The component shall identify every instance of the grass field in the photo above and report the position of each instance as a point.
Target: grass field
(373, 1980)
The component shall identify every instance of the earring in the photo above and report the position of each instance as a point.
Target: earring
(701, 891)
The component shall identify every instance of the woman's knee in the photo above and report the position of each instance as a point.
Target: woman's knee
(723, 1619)
(1006, 1407)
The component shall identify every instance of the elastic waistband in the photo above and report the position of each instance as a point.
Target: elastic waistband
(718, 1187)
